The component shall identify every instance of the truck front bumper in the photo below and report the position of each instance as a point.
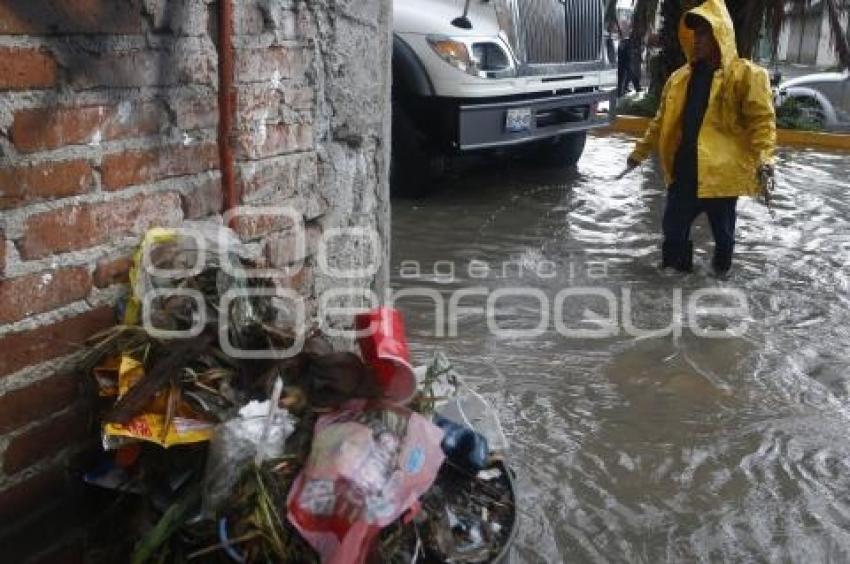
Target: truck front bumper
(483, 125)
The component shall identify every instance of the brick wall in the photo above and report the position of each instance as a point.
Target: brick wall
(108, 124)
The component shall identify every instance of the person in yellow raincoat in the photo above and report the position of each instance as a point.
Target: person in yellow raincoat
(715, 133)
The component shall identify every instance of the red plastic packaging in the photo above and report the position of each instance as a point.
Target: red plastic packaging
(370, 462)
(383, 346)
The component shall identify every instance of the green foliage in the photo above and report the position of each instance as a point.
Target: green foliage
(644, 107)
(796, 113)
(799, 113)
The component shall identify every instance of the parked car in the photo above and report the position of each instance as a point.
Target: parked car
(495, 74)
(825, 97)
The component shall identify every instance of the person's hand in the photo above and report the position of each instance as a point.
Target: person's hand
(766, 175)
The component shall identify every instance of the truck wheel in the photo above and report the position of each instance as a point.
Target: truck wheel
(409, 162)
(563, 151)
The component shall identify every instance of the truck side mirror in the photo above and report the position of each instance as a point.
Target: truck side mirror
(463, 22)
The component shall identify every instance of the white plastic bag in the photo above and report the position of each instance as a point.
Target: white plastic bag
(258, 433)
(460, 403)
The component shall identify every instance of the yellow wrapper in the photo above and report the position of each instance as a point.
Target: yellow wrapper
(184, 428)
(148, 427)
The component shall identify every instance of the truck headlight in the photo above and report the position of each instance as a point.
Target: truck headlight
(490, 57)
(480, 57)
(453, 52)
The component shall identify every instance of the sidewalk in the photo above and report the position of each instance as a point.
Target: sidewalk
(634, 125)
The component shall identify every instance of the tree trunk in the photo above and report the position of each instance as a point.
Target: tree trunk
(671, 56)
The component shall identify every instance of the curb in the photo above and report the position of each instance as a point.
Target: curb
(787, 137)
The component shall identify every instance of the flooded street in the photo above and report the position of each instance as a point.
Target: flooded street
(633, 447)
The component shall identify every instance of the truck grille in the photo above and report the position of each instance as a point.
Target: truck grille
(555, 31)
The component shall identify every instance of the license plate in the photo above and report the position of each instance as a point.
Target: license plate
(518, 119)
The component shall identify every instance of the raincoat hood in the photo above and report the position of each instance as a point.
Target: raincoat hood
(716, 14)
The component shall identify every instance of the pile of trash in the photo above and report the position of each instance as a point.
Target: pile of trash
(237, 452)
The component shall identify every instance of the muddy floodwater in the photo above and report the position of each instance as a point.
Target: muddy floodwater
(630, 446)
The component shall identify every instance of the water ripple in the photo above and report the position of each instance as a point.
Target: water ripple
(652, 449)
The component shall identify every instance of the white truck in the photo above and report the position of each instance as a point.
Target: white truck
(473, 75)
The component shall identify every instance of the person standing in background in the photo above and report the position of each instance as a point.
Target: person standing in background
(628, 66)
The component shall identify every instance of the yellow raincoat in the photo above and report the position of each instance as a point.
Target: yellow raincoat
(739, 129)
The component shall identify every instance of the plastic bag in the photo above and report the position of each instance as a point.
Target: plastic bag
(457, 402)
(369, 463)
(470, 409)
(167, 258)
(463, 446)
(258, 433)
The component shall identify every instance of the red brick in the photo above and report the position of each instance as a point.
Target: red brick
(255, 226)
(195, 113)
(44, 343)
(45, 440)
(277, 139)
(259, 103)
(305, 25)
(288, 172)
(269, 64)
(204, 201)
(140, 167)
(33, 492)
(22, 69)
(37, 400)
(36, 293)
(281, 248)
(112, 271)
(249, 19)
(86, 225)
(30, 183)
(40, 17)
(132, 69)
(47, 128)
(299, 98)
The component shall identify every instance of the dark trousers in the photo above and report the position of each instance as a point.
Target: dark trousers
(682, 208)
(624, 77)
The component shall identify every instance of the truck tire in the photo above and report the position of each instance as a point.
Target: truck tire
(409, 161)
(562, 151)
